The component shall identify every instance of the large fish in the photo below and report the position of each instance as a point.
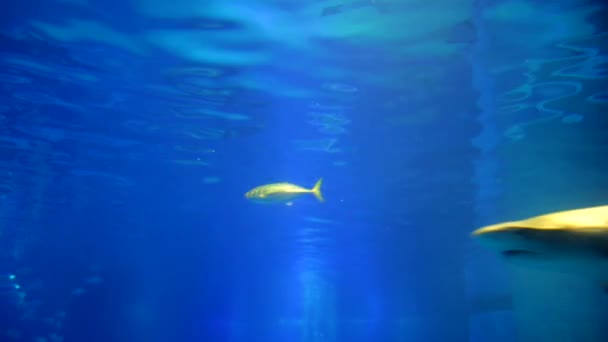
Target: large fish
(282, 192)
(571, 242)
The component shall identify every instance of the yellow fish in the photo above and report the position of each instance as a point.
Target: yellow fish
(282, 192)
(572, 241)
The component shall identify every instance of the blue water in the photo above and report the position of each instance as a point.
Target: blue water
(131, 130)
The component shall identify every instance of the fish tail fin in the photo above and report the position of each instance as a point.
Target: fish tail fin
(316, 190)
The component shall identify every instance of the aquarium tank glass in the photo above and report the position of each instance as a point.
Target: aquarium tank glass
(303, 171)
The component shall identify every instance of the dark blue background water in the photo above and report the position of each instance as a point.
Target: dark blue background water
(130, 131)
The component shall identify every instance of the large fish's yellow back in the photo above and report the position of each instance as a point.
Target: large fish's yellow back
(593, 217)
(576, 219)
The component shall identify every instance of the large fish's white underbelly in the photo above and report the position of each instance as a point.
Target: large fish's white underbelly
(593, 268)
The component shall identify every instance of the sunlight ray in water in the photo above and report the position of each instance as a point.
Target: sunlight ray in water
(317, 321)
